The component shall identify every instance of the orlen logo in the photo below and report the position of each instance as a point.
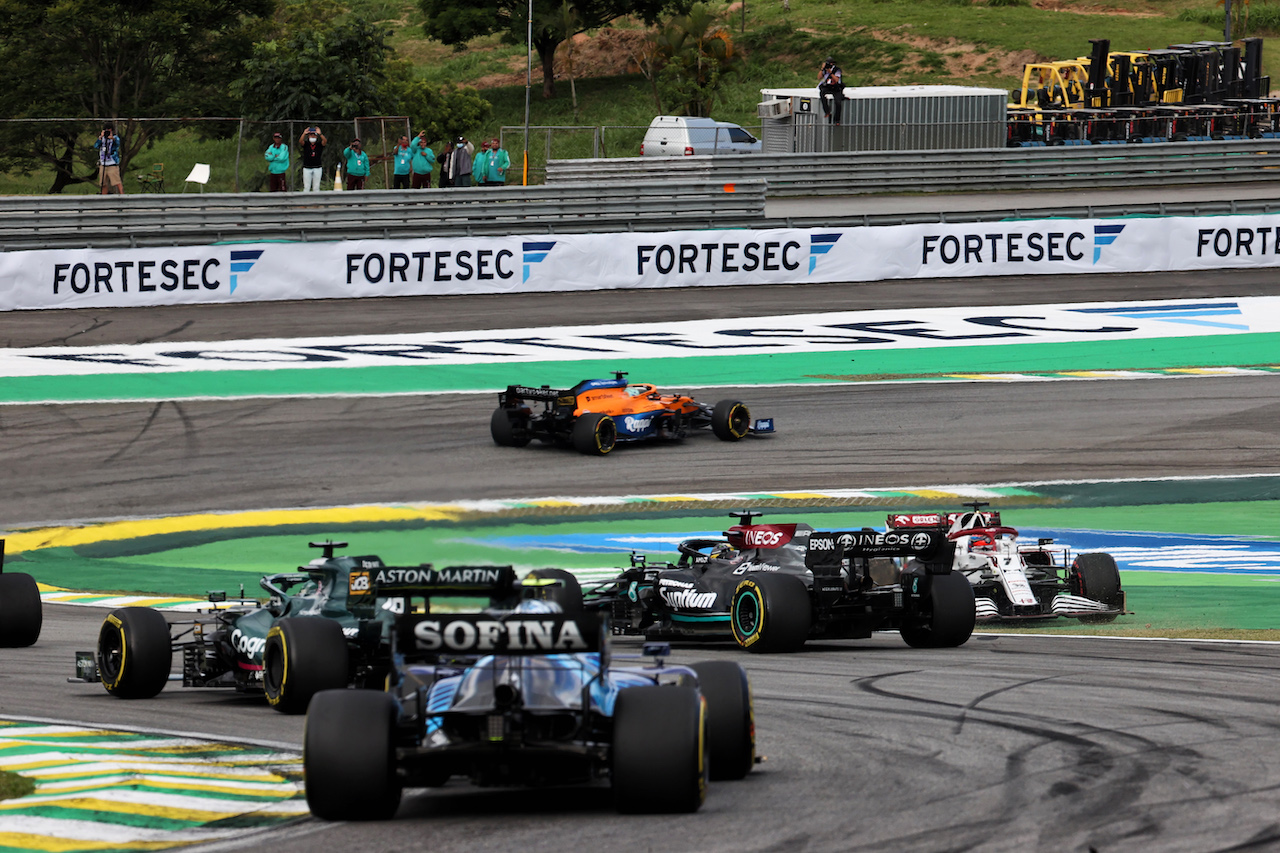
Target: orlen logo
(535, 253)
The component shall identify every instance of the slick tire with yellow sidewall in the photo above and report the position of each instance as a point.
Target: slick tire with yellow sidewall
(303, 655)
(135, 653)
(771, 613)
(730, 420)
(660, 750)
(594, 434)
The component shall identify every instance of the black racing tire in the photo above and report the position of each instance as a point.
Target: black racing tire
(1096, 576)
(135, 653)
(348, 755)
(951, 618)
(567, 594)
(21, 613)
(508, 428)
(730, 420)
(303, 655)
(659, 750)
(771, 613)
(594, 434)
(731, 726)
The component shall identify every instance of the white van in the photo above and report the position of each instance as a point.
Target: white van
(681, 136)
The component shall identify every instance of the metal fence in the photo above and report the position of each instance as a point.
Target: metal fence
(852, 173)
(45, 222)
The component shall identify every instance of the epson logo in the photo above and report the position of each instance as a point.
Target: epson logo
(250, 647)
(527, 635)
(689, 599)
(822, 543)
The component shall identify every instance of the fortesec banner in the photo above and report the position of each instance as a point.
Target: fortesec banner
(86, 278)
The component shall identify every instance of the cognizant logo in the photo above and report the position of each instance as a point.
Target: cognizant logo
(820, 244)
(242, 260)
(1104, 235)
(535, 253)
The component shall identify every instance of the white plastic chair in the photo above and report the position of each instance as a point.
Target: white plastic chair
(199, 175)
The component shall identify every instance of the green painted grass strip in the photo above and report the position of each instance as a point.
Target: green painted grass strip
(784, 368)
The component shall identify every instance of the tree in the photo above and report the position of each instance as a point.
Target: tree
(565, 18)
(455, 22)
(695, 51)
(113, 59)
(443, 113)
(319, 73)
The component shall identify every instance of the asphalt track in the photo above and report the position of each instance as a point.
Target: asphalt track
(1008, 743)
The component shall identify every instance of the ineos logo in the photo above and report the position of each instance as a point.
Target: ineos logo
(758, 538)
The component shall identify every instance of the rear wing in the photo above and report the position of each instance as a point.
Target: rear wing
(522, 634)
(927, 545)
(942, 520)
(426, 581)
(524, 392)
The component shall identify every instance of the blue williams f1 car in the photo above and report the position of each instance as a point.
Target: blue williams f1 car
(531, 695)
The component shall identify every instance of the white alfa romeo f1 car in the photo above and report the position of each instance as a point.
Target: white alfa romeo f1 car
(1017, 581)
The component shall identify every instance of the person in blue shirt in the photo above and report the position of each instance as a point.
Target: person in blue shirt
(403, 156)
(108, 147)
(357, 165)
(277, 157)
(480, 164)
(424, 162)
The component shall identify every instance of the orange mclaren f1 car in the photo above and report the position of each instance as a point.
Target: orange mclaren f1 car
(596, 414)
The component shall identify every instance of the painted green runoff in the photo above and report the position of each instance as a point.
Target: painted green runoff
(180, 565)
(1242, 350)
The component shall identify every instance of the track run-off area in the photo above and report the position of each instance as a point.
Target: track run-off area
(167, 452)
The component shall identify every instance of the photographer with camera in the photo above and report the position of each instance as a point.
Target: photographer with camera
(311, 146)
(831, 82)
(108, 147)
(357, 165)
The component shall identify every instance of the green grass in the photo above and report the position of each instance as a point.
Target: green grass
(878, 42)
(13, 786)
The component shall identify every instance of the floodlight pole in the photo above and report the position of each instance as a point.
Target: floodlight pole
(528, 84)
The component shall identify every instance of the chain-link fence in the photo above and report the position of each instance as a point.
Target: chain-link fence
(158, 155)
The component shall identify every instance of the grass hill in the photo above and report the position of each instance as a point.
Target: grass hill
(878, 42)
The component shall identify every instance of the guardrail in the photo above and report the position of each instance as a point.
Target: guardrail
(48, 222)
(852, 173)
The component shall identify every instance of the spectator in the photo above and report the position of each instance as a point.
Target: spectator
(831, 82)
(424, 161)
(357, 165)
(311, 145)
(480, 164)
(446, 165)
(499, 162)
(277, 165)
(403, 165)
(108, 146)
(460, 164)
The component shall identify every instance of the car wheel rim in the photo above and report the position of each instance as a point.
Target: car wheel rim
(746, 615)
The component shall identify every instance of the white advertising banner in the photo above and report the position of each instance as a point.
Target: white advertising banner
(84, 278)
